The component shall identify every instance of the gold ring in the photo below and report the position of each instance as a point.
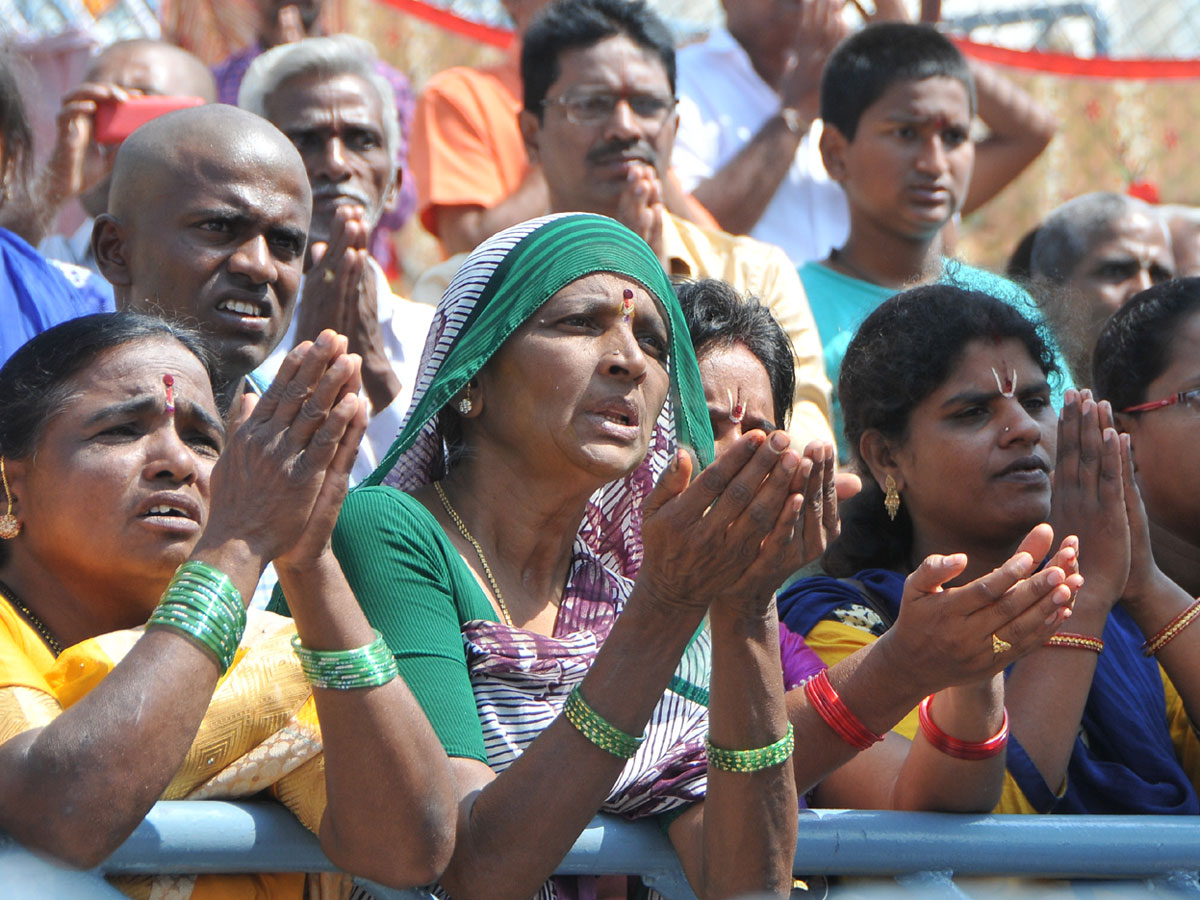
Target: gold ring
(999, 645)
(327, 276)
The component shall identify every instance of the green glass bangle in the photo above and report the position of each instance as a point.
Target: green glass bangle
(597, 729)
(203, 575)
(346, 670)
(752, 760)
(202, 603)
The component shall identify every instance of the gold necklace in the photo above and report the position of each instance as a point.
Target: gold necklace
(487, 570)
(38, 625)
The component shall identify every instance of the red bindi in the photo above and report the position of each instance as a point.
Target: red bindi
(169, 384)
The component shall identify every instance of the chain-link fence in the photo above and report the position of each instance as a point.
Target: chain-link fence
(1117, 28)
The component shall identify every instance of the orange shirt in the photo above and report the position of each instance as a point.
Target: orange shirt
(466, 147)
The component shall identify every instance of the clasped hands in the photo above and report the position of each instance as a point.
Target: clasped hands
(730, 537)
(280, 481)
(340, 293)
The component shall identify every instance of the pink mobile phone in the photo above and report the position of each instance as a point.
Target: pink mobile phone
(116, 121)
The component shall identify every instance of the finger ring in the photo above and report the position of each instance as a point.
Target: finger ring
(328, 276)
(999, 644)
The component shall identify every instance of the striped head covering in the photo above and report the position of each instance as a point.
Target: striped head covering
(500, 285)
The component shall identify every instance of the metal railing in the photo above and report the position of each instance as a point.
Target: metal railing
(919, 853)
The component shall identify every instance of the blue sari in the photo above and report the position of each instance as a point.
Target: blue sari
(1123, 761)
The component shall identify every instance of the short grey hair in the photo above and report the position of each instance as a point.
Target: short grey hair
(1070, 231)
(339, 54)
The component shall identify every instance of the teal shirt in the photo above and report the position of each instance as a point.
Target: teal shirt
(840, 303)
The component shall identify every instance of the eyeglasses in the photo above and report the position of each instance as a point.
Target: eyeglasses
(1190, 399)
(594, 108)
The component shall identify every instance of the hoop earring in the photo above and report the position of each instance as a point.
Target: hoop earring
(464, 405)
(10, 527)
(891, 498)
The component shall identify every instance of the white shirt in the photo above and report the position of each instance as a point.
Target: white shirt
(723, 103)
(76, 249)
(405, 325)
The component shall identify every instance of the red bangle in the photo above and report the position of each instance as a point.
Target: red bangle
(837, 715)
(952, 746)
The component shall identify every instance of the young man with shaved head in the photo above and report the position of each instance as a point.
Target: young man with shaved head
(207, 223)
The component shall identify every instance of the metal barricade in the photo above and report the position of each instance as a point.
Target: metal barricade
(919, 854)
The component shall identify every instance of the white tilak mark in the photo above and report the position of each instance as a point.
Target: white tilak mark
(1000, 385)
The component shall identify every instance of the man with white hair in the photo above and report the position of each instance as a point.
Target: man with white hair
(324, 93)
(1090, 256)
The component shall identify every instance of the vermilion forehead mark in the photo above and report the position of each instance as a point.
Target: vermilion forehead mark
(737, 409)
(169, 384)
(1007, 386)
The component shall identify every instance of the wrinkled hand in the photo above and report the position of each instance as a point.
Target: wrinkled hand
(334, 279)
(1089, 498)
(819, 525)
(281, 479)
(640, 206)
(729, 537)
(821, 28)
(340, 293)
(943, 636)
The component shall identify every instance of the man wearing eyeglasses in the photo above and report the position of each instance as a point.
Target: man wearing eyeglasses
(599, 119)
(468, 157)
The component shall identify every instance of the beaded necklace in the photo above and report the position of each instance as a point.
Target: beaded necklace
(487, 570)
(38, 625)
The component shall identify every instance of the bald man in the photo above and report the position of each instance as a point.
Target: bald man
(207, 223)
(1089, 257)
(79, 167)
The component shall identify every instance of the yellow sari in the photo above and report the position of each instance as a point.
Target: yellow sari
(260, 733)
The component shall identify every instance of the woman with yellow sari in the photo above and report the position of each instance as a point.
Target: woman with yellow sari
(129, 669)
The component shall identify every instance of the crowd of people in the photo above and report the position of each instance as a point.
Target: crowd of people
(700, 483)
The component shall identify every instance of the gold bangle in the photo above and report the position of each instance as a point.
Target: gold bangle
(1076, 641)
(1171, 630)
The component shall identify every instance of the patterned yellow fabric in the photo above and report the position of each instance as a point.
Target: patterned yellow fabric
(260, 733)
(1183, 732)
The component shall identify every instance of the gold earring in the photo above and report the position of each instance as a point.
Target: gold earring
(465, 405)
(891, 499)
(9, 526)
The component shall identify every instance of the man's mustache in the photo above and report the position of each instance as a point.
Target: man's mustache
(639, 150)
(333, 191)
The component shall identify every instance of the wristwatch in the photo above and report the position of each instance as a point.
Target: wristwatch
(796, 123)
